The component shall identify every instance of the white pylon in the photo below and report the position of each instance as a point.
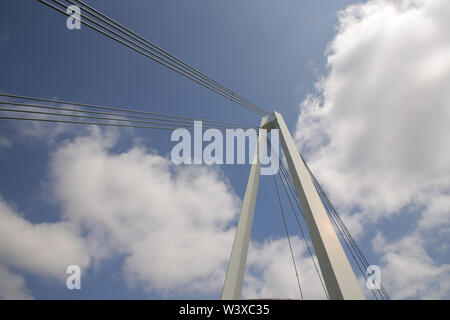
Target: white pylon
(236, 266)
(340, 280)
(338, 275)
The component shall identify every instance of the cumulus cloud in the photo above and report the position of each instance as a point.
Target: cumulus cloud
(379, 125)
(172, 224)
(44, 131)
(41, 249)
(45, 249)
(50, 133)
(270, 271)
(376, 131)
(12, 286)
(410, 271)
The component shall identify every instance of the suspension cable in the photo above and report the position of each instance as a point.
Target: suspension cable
(288, 237)
(60, 114)
(149, 52)
(286, 180)
(161, 52)
(124, 110)
(285, 186)
(346, 235)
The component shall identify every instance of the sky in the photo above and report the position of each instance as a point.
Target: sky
(363, 87)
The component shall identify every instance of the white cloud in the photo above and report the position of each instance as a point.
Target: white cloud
(49, 133)
(409, 272)
(52, 132)
(436, 213)
(44, 249)
(376, 132)
(40, 249)
(12, 286)
(172, 224)
(270, 271)
(379, 126)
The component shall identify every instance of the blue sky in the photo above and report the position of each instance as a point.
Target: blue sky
(276, 56)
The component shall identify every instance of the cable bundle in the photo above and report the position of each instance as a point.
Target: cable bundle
(101, 23)
(63, 112)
